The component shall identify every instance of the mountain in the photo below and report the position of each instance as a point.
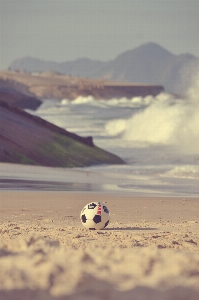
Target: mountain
(138, 65)
(152, 64)
(80, 67)
(146, 64)
(27, 139)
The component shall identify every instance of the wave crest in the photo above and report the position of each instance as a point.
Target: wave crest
(165, 121)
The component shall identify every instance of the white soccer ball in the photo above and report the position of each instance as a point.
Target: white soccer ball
(95, 215)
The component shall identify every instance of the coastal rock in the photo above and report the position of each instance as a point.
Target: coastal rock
(27, 139)
(17, 95)
(53, 85)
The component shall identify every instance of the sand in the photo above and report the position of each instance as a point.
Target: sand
(150, 250)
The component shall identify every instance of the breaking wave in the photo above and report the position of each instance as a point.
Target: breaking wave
(135, 102)
(166, 121)
(185, 171)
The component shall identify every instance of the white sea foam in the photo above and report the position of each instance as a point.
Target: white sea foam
(114, 102)
(155, 124)
(166, 121)
(185, 171)
(83, 100)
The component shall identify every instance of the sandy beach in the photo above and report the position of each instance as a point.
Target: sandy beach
(150, 249)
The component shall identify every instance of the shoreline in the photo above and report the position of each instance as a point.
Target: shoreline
(99, 180)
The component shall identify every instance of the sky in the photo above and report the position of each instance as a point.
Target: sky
(65, 30)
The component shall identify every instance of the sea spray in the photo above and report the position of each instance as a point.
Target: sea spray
(166, 121)
(154, 124)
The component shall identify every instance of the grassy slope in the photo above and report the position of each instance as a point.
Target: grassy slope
(27, 139)
(66, 152)
(62, 151)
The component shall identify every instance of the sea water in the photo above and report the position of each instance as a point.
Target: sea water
(157, 137)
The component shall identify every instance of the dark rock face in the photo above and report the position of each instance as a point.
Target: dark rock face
(19, 100)
(17, 95)
(27, 139)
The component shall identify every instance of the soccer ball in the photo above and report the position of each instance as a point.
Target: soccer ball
(95, 215)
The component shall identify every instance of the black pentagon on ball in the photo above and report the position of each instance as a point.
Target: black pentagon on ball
(97, 219)
(84, 218)
(106, 223)
(91, 205)
(105, 209)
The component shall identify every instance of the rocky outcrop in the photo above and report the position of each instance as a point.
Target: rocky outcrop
(53, 85)
(27, 139)
(16, 94)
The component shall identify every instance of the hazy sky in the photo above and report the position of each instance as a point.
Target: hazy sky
(62, 30)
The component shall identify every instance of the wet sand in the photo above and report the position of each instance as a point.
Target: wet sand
(150, 249)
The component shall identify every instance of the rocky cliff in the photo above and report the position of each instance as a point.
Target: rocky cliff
(13, 93)
(27, 139)
(53, 85)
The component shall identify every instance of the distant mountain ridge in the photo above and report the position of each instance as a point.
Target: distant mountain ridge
(148, 64)
(79, 67)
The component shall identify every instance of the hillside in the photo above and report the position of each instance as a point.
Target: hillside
(147, 64)
(27, 139)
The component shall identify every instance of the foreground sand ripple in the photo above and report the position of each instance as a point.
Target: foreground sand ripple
(160, 234)
(72, 263)
(150, 250)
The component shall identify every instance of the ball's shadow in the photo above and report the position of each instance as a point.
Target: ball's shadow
(130, 228)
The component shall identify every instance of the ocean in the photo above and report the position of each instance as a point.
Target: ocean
(157, 137)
